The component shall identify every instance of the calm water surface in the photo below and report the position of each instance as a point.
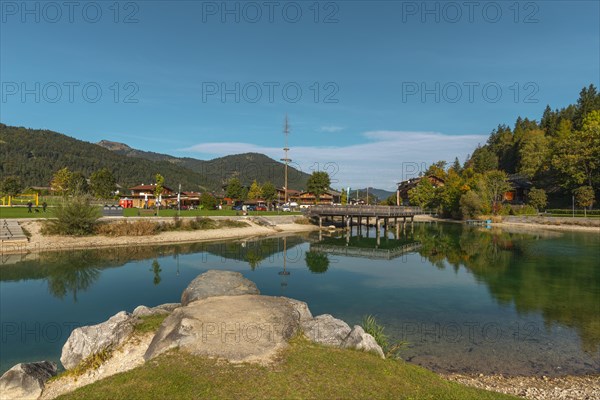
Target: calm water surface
(464, 299)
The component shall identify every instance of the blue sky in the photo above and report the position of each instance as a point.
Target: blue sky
(373, 89)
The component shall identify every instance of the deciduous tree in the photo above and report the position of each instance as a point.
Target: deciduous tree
(318, 183)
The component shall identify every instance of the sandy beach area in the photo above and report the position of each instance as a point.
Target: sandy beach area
(39, 243)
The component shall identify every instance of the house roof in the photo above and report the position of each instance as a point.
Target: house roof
(150, 187)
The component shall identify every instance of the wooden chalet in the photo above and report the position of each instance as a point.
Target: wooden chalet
(327, 198)
(405, 186)
(521, 186)
(142, 196)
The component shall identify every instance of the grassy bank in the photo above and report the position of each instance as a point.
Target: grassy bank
(306, 371)
(21, 212)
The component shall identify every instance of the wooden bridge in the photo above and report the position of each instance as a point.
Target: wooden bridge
(351, 214)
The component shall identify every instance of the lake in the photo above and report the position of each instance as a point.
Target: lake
(461, 299)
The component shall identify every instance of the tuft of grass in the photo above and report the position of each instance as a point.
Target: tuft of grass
(125, 228)
(91, 362)
(228, 223)
(150, 323)
(373, 328)
(304, 371)
(302, 221)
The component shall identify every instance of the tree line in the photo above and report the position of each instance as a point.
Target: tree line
(560, 156)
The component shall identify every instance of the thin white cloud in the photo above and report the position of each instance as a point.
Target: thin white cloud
(331, 128)
(385, 159)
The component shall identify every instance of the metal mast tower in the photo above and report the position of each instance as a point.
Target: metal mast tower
(286, 160)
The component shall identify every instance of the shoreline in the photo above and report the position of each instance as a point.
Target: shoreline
(517, 224)
(567, 387)
(278, 225)
(38, 243)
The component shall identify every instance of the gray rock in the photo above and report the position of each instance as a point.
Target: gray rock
(168, 306)
(88, 340)
(301, 309)
(360, 340)
(26, 380)
(143, 311)
(245, 328)
(326, 330)
(217, 283)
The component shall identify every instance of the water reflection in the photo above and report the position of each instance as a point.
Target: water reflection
(316, 261)
(534, 272)
(412, 278)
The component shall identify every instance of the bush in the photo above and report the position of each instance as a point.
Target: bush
(470, 205)
(124, 228)
(74, 217)
(228, 223)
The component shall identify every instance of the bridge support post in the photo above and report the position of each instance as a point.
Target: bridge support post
(377, 225)
(320, 222)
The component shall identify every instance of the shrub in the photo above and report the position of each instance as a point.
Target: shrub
(228, 223)
(470, 204)
(75, 216)
(124, 228)
(201, 223)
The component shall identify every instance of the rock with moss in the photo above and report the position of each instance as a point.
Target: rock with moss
(245, 328)
(88, 340)
(26, 380)
(217, 283)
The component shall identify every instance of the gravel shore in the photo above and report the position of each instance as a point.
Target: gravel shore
(536, 388)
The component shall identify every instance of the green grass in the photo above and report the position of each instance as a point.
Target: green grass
(150, 323)
(133, 212)
(21, 212)
(306, 371)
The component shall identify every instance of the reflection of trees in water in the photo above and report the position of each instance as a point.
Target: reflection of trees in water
(254, 252)
(72, 273)
(521, 270)
(156, 270)
(317, 262)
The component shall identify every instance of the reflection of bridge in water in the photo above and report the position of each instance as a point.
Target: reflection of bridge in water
(365, 252)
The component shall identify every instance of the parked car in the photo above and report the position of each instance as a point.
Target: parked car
(261, 208)
(250, 207)
(237, 208)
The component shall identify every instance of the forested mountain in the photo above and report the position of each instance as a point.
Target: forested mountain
(35, 155)
(247, 167)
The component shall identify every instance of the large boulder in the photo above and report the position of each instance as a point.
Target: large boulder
(245, 328)
(326, 330)
(26, 380)
(360, 340)
(217, 283)
(88, 340)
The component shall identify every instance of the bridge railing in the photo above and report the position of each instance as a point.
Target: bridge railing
(379, 211)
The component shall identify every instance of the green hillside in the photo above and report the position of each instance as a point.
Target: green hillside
(35, 155)
(247, 167)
